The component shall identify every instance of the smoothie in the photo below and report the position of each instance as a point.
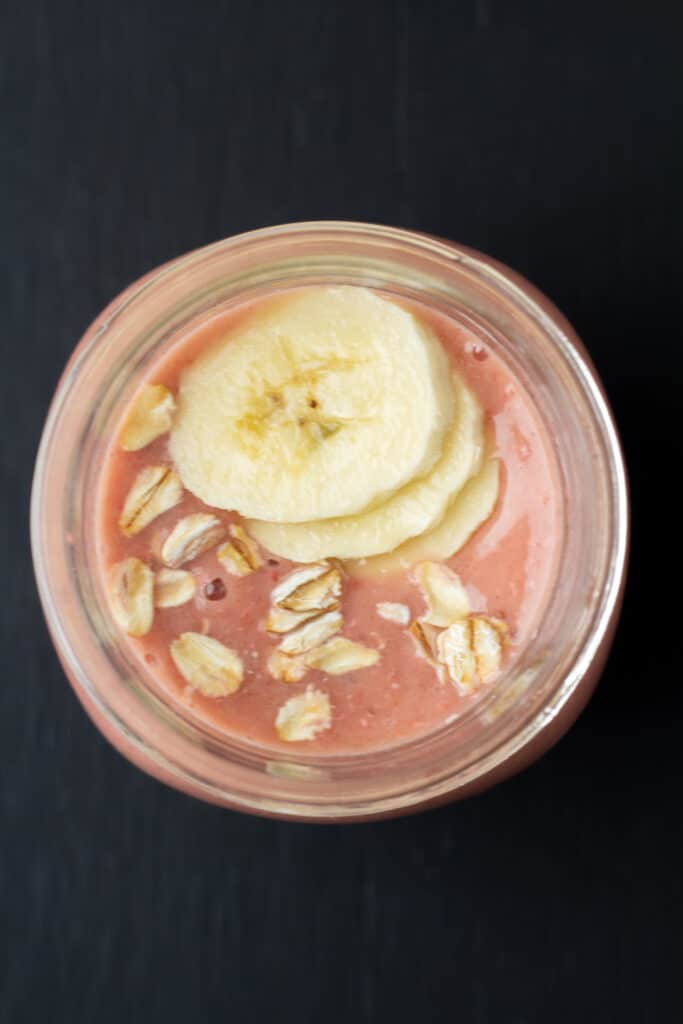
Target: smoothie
(330, 519)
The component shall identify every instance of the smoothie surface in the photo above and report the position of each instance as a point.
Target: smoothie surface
(506, 567)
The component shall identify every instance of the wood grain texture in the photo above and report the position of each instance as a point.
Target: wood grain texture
(549, 136)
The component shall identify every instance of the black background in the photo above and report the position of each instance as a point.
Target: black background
(547, 134)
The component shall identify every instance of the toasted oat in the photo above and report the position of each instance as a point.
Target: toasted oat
(191, 537)
(335, 657)
(317, 595)
(340, 655)
(298, 603)
(446, 598)
(279, 620)
(214, 669)
(156, 489)
(472, 650)
(303, 717)
(312, 633)
(392, 611)
(150, 416)
(287, 668)
(232, 559)
(291, 583)
(425, 636)
(131, 596)
(489, 637)
(239, 556)
(173, 587)
(454, 649)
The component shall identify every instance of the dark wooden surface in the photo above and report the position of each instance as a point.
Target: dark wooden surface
(547, 134)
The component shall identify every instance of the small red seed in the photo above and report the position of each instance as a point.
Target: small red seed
(215, 590)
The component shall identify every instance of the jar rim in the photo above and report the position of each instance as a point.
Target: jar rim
(518, 291)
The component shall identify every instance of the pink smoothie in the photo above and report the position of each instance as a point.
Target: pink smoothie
(507, 567)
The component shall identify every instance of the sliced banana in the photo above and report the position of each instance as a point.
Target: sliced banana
(412, 510)
(320, 406)
(471, 508)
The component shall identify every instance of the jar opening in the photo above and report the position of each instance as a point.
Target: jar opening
(545, 356)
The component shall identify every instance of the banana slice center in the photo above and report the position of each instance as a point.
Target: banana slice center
(302, 409)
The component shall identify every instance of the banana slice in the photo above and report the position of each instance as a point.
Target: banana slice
(472, 507)
(322, 405)
(412, 510)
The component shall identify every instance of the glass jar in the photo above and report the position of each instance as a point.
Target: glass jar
(514, 721)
